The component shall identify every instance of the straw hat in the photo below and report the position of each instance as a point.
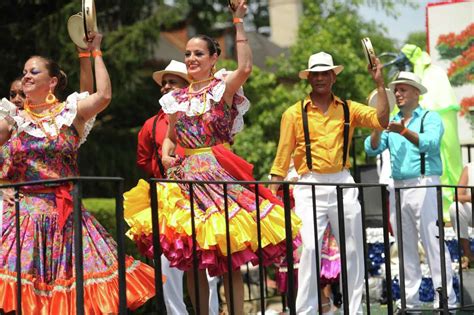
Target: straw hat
(320, 62)
(409, 78)
(77, 24)
(373, 96)
(174, 67)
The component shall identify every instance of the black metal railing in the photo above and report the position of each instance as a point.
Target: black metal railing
(442, 291)
(158, 305)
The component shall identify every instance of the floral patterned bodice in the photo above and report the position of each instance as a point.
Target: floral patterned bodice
(31, 155)
(204, 119)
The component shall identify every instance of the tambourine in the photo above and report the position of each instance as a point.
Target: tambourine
(89, 17)
(373, 96)
(233, 4)
(369, 52)
(75, 28)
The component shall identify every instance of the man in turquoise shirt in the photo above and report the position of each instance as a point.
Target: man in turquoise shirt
(412, 136)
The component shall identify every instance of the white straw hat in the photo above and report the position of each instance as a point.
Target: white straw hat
(409, 78)
(320, 62)
(174, 67)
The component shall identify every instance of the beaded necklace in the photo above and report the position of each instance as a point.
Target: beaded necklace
(202, 91)
(48, 115)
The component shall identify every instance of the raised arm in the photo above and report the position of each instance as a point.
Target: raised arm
(382, 107)
(86, 76)
(244, 55)
(98, 101)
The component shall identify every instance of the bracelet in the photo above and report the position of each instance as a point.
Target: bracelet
(237, 20)
(96, 53)
(84, 54)
(404, 131)
(241, 40)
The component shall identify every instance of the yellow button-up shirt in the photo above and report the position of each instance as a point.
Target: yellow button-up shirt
(325, 133)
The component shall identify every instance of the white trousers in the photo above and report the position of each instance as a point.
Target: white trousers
(173, 290)
(326, 211)
(465, 218)
(419, 210)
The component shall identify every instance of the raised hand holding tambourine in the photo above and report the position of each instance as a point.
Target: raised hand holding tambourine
(369, 53)
(238, 5)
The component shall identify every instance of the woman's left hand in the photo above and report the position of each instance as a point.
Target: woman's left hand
(95, 41)
(240, 10)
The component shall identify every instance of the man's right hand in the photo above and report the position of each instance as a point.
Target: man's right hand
(274, 187)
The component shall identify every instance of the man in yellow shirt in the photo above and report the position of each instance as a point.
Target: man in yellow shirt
(327, 138)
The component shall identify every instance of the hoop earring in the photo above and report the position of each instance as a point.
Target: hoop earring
(213, 70)
(50, 98)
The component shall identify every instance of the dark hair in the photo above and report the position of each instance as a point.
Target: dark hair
(54, 70)
(212, 44)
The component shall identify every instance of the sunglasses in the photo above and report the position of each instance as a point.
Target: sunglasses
(13, 94)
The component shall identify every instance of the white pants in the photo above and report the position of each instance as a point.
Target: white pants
(419, 209)
(326, 211)
(465, 218)
(173, 290)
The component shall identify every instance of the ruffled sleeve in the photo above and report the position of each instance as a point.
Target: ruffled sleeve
(7, 109)
(65, 118)
(180, 101)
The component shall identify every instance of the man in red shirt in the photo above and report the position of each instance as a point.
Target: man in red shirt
(150, 137)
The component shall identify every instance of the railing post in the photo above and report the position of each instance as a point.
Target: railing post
(386, 246)
(289, 250)
(364, 241)
(230, 303)
(401, 260)
(159, 297)
(18, 250)
(259, 253)
(342, 248)
(77, 196)
(195, 258)
(444, 290)
(317, 251)
(121, 248)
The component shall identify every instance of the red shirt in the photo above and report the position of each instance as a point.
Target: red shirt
(146, 155)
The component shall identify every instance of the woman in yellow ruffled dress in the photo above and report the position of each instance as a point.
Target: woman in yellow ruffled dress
(204, 117)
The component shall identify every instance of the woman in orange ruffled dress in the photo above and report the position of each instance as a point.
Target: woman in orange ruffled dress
(44, 142)
(204, 117)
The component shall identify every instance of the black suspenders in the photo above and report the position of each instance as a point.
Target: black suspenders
(422, 155)
(309, 160)
(155, 149)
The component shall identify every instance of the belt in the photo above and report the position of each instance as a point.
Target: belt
(188, 151)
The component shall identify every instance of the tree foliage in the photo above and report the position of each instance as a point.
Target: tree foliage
(132, 31)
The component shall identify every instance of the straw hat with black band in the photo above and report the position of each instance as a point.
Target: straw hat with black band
(320, 62)
(409, 78)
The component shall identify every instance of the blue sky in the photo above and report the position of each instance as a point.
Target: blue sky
(407, 21)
